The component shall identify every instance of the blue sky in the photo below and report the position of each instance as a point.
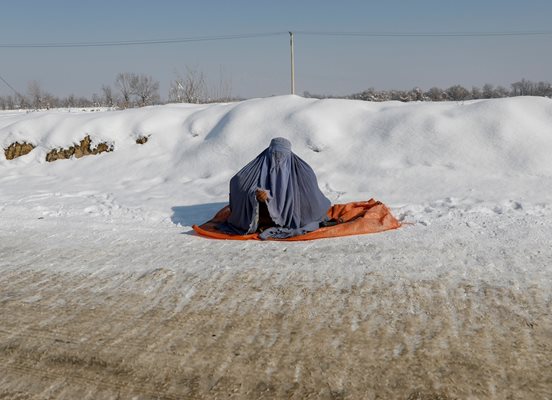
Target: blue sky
(260, 66)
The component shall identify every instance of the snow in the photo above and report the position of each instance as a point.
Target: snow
(464, 163)
(473, 180)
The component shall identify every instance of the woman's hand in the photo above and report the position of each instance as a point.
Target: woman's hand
(262, 195)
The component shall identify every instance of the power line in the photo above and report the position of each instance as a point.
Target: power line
(424, 34)
(141, 42)
(267, 34)
(10, 86)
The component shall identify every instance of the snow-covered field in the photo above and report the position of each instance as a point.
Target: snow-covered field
(105, 291)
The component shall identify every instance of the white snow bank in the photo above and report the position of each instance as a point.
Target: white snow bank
(476, 155)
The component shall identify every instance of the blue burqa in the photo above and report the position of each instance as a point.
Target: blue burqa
(295, 203)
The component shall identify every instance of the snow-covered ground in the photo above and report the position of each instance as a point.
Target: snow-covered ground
(104, 289)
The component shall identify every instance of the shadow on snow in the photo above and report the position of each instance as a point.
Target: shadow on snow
(195, 214)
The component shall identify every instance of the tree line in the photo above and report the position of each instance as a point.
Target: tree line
(453, 93)
(129, 90)
(138, 90)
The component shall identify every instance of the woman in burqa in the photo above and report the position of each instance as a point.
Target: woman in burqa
(276, 194)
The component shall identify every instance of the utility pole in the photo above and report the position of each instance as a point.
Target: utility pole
(292, 63)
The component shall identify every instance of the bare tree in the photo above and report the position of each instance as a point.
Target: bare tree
(10, 102)
(145, 88)
(22, 101)
(96, 101)
(501, 91)
(194, 86)
(457, 93)
(523, 88)
(125, 81)
(190, 88)
(516, 89)
(70, 101)
(35, 94)
(222, 91)
(38, 98)
(49, 101)
(543, 89)
(176, 91)
(488, 91)
(416, 94)
(108, 98)
(435, 94)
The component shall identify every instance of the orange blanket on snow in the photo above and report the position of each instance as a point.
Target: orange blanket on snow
(353, 219)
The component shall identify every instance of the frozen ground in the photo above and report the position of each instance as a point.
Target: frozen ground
(106, 293)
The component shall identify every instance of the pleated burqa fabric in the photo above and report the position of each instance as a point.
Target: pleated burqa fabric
(295, 204)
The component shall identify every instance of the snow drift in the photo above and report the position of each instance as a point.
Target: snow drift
(402, 153)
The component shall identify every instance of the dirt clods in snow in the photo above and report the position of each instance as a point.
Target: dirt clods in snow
(142, 139)
(17, 149)
(83, 149)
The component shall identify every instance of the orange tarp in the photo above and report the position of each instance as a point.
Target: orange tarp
(353, 219)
